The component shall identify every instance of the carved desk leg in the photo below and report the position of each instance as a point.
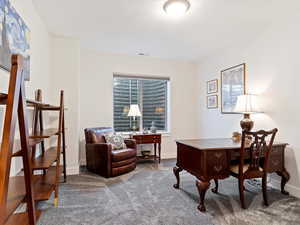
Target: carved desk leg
(202, 188)
(285, 176)
(176, 171)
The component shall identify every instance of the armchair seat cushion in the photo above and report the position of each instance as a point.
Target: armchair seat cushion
(123, 154)
(123, 162)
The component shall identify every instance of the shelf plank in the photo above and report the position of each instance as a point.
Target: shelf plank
(145, 158)
(30, 102)
(32, 143)
(44, 185)
(50, 108)
(45, 133)
(21, 218)
(46, 160)
(16, 194)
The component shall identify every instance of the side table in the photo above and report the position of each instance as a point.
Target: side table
(154, 139)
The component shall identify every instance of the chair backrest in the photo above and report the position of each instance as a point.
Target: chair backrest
(96, 135)
(254, 148)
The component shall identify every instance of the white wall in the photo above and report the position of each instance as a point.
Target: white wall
(96, 95)
(40, 62)
(65, 70)
(273, 72)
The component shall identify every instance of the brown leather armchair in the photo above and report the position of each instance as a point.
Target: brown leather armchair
(100, 157)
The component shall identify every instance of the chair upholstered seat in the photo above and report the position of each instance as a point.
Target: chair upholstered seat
(123, 154)
(235, 168)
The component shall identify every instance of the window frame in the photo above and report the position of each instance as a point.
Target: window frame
(145, 77)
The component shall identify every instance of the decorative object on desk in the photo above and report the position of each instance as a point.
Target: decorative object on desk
(232, 86)
(14, 37)
(153, 128)
(212, 101)
(236, 136)
(212, 86)
(247, 104)
(134, 112)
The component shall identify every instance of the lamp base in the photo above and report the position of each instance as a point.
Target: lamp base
(246, 123)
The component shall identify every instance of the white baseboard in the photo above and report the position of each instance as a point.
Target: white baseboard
(293, 190)
(73, 170)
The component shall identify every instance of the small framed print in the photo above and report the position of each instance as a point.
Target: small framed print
(212, 101)
(212, 86)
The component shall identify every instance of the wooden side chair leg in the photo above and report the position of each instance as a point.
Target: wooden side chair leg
(241, 190)
(264, 189)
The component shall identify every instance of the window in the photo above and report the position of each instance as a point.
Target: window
(151, 94)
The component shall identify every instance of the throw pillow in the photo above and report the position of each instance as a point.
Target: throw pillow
(116, 140)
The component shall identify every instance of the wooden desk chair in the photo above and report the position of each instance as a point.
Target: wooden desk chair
(254, 160)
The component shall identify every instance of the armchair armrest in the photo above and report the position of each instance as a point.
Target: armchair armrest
(130, 143)
(98, 158)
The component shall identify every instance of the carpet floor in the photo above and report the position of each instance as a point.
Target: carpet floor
(146, 197)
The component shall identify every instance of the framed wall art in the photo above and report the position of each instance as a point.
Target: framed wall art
(212, 101)
(212, 86)
(14, 37)
(232, 86)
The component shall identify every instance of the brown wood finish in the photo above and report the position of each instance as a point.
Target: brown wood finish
(51, 173)
(47, 133)
(210, 159)
(45, 184)
(46, 160)
(28, 188)
(21, 218)
(11, 191)
(258, 158)
(154, 139)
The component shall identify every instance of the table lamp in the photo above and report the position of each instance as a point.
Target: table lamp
(134, 112)
(247, 104)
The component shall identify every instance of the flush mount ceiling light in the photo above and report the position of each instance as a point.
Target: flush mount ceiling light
(176, 8)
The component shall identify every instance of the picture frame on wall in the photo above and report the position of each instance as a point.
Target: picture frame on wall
(212, 86)
(233, 85)
(14, 38)
(212, 101)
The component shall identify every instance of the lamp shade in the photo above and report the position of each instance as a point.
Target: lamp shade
(247, 104)
(134, 111)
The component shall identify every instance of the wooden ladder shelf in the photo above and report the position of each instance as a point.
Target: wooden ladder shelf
(30, 187)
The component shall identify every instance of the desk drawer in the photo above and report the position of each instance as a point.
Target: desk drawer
(147, 139)
(217, 163)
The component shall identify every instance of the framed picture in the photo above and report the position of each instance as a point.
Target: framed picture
(212, 86)
(14, 37)
(212, 101)
(232, 86)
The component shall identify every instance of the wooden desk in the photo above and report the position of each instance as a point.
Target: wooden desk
(209, 159)
(154, 139)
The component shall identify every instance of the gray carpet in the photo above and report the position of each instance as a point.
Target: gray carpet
(147, 197)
